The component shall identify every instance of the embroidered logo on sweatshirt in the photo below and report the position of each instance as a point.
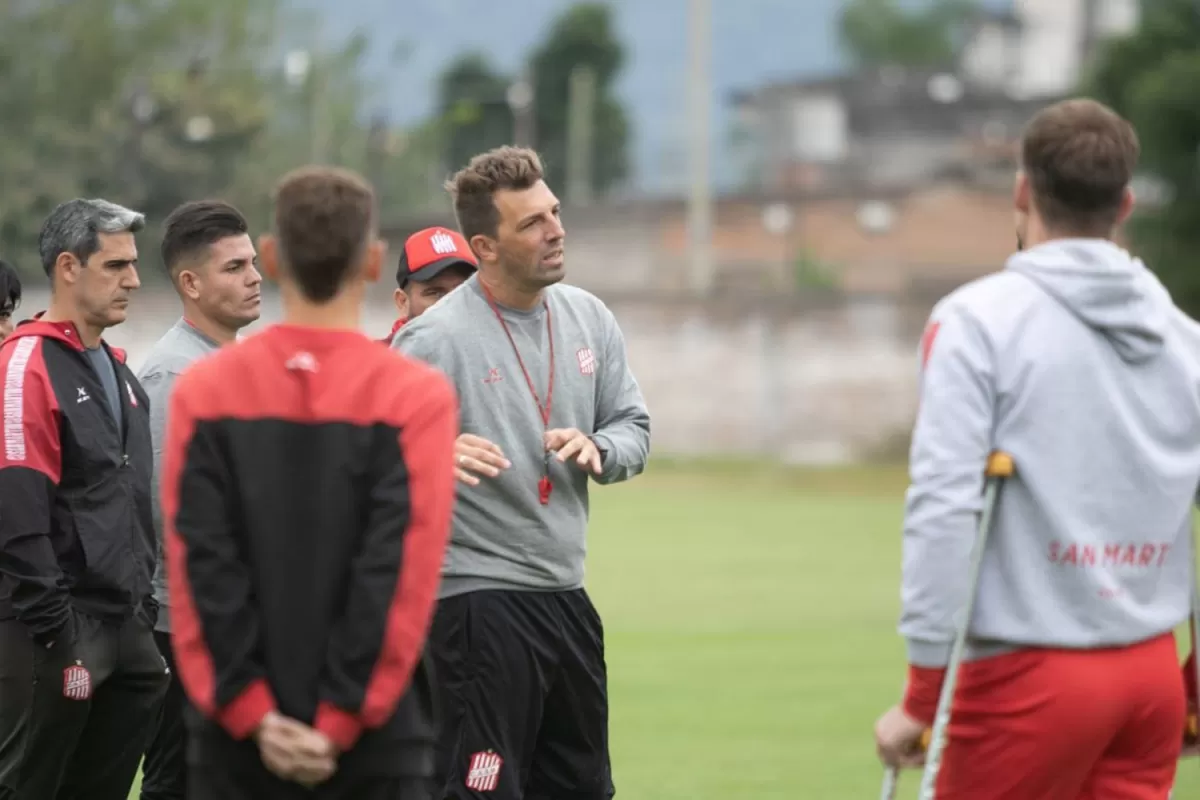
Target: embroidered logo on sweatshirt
(587, 361)
(493, 376)
(483, 774)
(302, 361)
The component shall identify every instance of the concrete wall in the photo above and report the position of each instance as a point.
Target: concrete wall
(816, 382)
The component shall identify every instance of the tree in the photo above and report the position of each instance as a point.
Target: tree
(878, 33)
(154, 102)
(583, 36)
(1150, 78)
(129, 109)
(473, 112)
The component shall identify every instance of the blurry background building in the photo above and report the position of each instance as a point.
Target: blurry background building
(770, 194)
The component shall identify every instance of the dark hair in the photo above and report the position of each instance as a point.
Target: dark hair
(324, 221)
(474, 186)
(194, 227)
(75, 226)
(10, 288)
(1080, 156)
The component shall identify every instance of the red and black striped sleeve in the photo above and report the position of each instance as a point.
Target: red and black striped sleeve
(379, 638)
(30, 468)
(215, 624)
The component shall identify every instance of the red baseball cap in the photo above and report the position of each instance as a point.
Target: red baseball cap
(430, 251)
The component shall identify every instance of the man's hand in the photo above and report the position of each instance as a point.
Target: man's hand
(898, 739)
(295, 752)
(570, 442)
(475, 454)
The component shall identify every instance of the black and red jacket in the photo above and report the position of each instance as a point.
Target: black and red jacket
(307, 487)
(76, 532)
(397, 325)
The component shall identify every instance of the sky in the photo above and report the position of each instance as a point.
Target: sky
(754, 42)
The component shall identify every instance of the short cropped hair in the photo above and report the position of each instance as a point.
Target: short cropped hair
(324, 221)
(75, 226)
(1079, 156)
(10, 288)
(473, 187)
(194, 227)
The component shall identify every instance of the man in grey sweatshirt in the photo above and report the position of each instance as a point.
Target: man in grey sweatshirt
(548, 403)
(208, 252)
(1074, 361)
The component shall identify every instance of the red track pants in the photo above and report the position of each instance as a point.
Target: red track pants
(1067, 725)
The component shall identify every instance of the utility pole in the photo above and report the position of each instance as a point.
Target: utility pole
(700, 214)
(581, 122)
(521, 100)
(318, 122)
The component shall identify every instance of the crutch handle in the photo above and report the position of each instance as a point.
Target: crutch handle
(999, 465)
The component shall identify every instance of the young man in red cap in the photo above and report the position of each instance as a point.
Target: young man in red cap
(434, 262)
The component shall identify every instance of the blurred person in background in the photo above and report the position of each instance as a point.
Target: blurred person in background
(434, 262)
(307, 488)
(81, 678)
(10, 297)
(542, 375)
(211, 260)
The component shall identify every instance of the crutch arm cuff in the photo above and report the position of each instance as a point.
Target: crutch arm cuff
(922, 691)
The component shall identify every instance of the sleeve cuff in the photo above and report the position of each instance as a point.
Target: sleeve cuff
(605, 446)
(922, 691)
(341, 727)
(242, 717)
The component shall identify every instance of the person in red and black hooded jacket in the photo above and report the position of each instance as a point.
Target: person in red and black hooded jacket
(77, 546)
(434, 262)
(307, 485)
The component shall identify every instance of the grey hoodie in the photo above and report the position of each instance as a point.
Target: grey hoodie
(503, 537)
(1076, 362)
(178, 349)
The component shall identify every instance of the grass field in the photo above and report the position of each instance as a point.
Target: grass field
(750, 619)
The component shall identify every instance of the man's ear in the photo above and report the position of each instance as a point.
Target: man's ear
(1022, 196)
(401, 301)
(1128, 202)
(268, 257)
(485, 248)
(373, 265)
(68, 266)
(187, 284)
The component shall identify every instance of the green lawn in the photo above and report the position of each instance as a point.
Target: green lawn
(750, 621)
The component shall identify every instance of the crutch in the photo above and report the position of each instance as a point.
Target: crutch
(999, 469)
(1192, 732)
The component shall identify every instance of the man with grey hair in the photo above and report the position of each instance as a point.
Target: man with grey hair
(80, 675)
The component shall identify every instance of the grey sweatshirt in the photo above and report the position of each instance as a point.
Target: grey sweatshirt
(503, 537)
(181, 345)
(1076, 362)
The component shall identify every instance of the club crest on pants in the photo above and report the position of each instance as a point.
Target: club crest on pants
(77, 682)
(483, 774)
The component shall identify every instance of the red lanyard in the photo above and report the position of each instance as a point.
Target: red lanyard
(544, 485)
